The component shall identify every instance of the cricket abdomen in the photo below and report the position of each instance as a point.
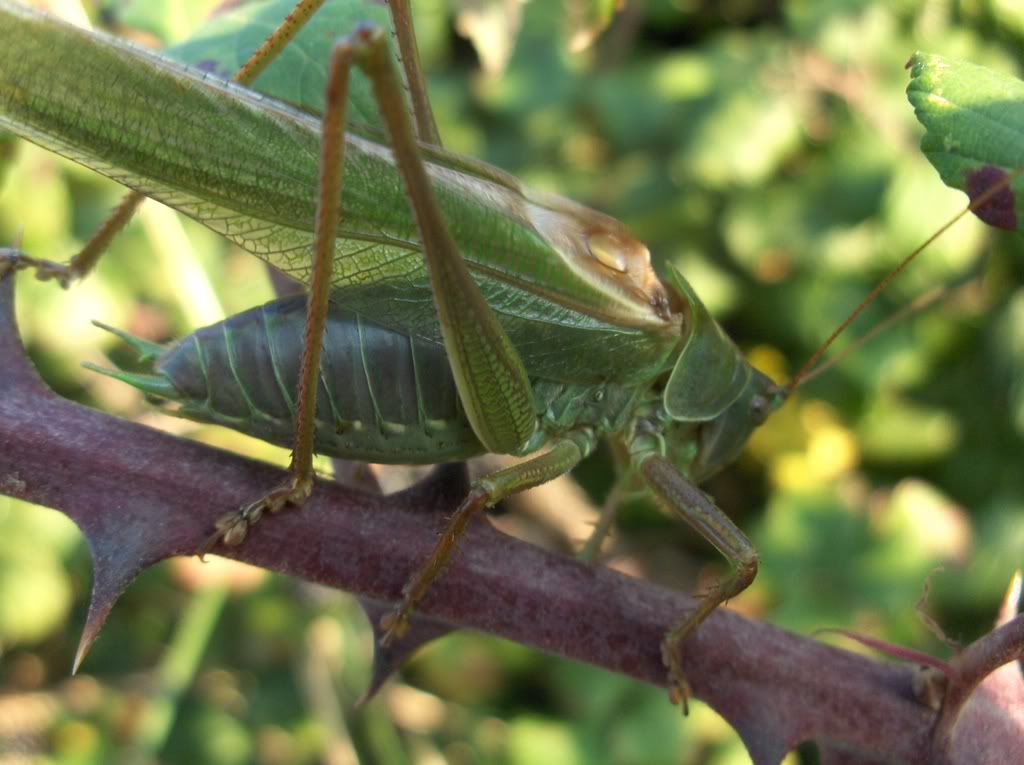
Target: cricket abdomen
(382, 396)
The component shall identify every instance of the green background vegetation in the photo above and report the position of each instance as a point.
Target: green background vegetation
(768, 150)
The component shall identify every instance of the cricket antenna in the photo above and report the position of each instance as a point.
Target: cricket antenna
(808, 371)
(918, 305)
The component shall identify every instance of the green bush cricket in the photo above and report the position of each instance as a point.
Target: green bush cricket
(558, 335)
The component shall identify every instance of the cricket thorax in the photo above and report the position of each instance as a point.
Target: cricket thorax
(651, 432)
(562, 407)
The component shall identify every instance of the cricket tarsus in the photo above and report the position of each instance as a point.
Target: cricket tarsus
(231, 529)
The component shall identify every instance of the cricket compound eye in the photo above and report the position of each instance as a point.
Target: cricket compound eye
(760, 408)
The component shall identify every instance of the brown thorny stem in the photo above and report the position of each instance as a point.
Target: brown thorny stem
(809, 372)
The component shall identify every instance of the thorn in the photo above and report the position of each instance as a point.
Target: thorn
(99, 609)
(389, 658)
(79, 657)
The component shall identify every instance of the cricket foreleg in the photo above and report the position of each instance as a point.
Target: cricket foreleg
(232, 528)
(485, 492)
(678, 495)
(86, 259)
(489, 375)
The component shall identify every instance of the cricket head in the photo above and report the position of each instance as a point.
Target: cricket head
(720, 440)
(713, 395)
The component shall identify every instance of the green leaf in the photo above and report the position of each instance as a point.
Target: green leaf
(1008, 15)
(169, 20)
(492, 26)
(586, 19)
(974, 119)
(299, 75)
(35, 590)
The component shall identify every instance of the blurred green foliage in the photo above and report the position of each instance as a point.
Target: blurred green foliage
(766, 148)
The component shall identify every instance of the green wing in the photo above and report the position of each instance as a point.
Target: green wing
(246, 166)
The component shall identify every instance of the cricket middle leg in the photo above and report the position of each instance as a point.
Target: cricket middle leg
(677, 494)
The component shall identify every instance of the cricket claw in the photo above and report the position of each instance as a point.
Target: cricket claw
(395, 625)
(232, 529)
(58, 272)
(678, 688)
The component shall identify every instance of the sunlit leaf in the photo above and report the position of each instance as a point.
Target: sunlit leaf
(299, 75)
(170, 21)
(974, 119)
(493, 27)
(586, 19)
